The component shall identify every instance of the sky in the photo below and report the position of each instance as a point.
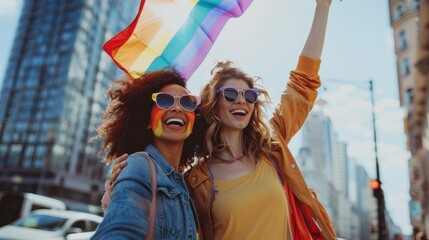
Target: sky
(267, 40)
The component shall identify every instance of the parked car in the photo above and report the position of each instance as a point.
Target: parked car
(15, 205)
(50, 224)
(80, 236)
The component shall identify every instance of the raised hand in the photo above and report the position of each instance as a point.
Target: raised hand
(120, 163)
(324, 1)
(314, 45)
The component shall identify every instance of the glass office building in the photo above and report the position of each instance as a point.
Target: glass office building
(53, 95)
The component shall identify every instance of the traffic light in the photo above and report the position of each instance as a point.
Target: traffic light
(375, 184)
(376, 187)
(379, 195)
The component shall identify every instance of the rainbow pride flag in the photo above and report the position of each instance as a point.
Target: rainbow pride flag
(176, 33)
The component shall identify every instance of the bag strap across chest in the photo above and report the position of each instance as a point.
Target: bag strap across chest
(152, 210)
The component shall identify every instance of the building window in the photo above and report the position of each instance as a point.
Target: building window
(405, 67)
(399, 11)
(409, 96)
(3, 151)
(14, 154)
(402, 40)
(416, 4)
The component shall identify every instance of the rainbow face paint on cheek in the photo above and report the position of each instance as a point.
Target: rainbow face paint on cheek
(191, 118)
(156, 120)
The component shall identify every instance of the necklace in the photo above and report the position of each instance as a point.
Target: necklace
(230, 160)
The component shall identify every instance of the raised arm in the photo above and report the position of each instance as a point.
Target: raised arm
(301, 91)
(314, 45)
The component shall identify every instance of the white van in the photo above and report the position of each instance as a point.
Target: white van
(15, 205)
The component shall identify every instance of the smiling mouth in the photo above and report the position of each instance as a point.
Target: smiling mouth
(175, 121)
(239, 112)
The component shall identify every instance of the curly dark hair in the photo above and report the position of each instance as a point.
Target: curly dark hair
(124, 125)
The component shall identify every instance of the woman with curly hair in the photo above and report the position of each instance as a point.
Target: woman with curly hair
(248, 185)
(155, 114)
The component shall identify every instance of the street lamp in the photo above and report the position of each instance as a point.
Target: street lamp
(377, 191)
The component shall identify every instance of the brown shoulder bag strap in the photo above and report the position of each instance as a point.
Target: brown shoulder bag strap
(150, 232)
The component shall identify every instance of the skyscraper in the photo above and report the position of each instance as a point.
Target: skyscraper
(53, 96)
(318, 135)
(323, 161)
(317, 138)
(366, 205)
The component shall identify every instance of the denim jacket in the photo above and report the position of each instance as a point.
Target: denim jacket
(127, 216)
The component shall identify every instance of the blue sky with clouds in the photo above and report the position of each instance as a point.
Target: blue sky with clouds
(267, 40)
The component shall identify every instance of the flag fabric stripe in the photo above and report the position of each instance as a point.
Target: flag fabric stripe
(164, 34)
(112, 46)
(205, 34)
(191, 57)
(184, 35)
(133, 49)
(157, 38)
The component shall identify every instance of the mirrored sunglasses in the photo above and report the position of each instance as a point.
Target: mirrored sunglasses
(231, 94)
(166, 101)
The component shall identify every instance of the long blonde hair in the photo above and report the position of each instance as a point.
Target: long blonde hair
(256, 136)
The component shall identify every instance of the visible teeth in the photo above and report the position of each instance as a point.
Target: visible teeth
(239, 111)
(175, 121)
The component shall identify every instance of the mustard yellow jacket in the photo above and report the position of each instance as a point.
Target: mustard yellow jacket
(296, 102)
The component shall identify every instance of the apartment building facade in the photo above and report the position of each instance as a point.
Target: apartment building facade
(410, 24)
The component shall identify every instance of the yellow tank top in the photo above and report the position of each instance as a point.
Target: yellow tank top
(251, 207)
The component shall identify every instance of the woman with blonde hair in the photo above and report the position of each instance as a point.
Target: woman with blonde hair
(248, 185)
